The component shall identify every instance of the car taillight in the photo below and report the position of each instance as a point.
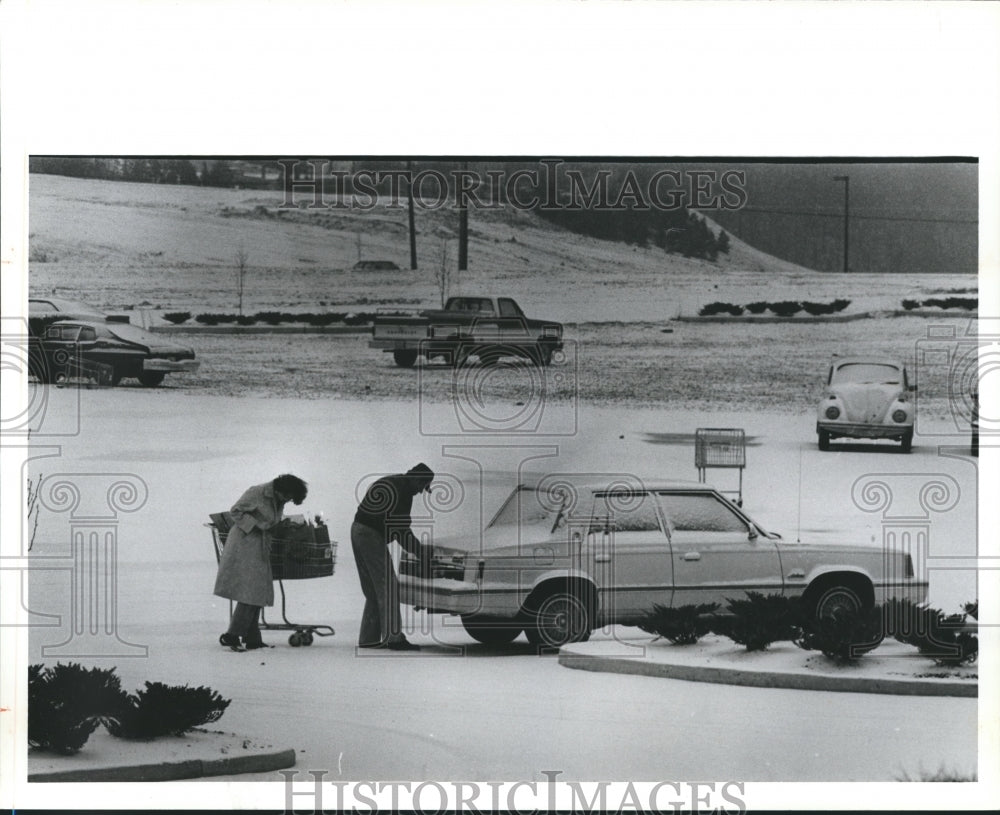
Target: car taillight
(832, 412)
(899, 416)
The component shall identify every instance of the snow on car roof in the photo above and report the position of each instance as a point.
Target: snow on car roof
(872, 360)
(623, 481)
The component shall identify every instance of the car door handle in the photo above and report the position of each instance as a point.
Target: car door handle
(602, 558)
(692, 556)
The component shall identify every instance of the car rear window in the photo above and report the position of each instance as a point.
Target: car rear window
(700, 512)
(527, 507)
(868, 373)
(628, 511)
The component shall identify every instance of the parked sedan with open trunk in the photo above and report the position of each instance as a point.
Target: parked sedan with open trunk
(565, 555)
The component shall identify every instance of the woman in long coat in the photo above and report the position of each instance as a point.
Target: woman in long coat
(245, 565)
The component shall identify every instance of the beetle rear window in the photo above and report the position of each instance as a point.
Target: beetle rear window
(867, 373)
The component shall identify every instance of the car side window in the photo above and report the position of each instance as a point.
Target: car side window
(700, 512)
(626, 511)
(508, 308)
(87, 334)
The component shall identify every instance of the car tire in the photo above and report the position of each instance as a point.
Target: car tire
(831, 600)
(558, 618)
(404, 358)
(148, 379)
(906, 442)
(491, 630)
(824, 440)
(543, 354)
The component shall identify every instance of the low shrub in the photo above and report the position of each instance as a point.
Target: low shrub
(757, 307)
(948, 639)
(245, 319)
(270, 317)
(759, 620)
(177, 317)
(840, 305)
(361, 318)
(207, 319)
(785, 308)
(66, 703)
(843, 637)
(909, 305)
(321, 319)
(683, 625)
(720, 308)
(164, 710)
(817, 308)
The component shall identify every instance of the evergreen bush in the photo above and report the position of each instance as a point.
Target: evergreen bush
(207, 319)
(840, 305)
(757, 307)
(816, 309)
(177, 317)
(909, 305)
(720, 308)
(683, 625)
(760, 620)
(786, 308)
(843, 637)
(66, 704)
(948, 639)
(162, 710)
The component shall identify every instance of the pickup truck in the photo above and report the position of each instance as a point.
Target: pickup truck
(486, 327)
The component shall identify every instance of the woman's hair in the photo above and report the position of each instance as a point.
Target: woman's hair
(291, 486)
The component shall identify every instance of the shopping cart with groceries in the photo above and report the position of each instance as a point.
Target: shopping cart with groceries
(300, 550)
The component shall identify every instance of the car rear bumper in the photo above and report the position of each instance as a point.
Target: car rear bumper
(443, 596)
(171, 365)
(864, 431)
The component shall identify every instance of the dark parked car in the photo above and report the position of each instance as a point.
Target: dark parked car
(375, 266)
(107, 352)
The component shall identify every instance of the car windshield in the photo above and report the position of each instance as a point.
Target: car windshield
(867, 373)
(528, 507)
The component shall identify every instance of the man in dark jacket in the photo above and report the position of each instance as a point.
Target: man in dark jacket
(382, 517)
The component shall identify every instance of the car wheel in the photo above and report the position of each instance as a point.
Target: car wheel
(837, 600)
(558, 619)
(543, 354)
(460, 355)
(907, 441)
(404, 358)
(490, 630)
(824, 440)
(148, 379)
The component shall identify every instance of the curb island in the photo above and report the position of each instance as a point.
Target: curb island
(656, 660)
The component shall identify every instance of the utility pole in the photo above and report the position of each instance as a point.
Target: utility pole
(409, 208)
(463, 232)
(847, 218)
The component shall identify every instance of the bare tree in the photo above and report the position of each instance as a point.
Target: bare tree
(33, 507)
(241, 273)
(443, 275)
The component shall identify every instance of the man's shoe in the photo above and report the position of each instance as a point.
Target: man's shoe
(254, 644)
(402, 645)
(231, 641)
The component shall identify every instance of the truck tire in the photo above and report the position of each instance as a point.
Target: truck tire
(404, 357)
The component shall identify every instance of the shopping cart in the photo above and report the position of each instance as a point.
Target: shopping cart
(721, 447)
(299, 551)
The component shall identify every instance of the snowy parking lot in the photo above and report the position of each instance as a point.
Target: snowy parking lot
(457, 709)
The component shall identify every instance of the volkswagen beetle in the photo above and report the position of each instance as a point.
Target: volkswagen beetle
(866, 398)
